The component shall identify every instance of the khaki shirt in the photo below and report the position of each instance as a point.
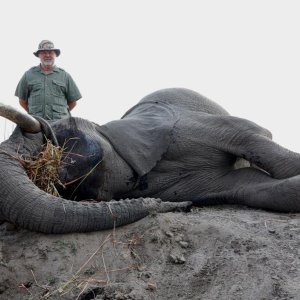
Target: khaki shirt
(48, 94)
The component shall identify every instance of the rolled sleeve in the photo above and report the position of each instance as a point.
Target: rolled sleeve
(22, 88)
(73, 93)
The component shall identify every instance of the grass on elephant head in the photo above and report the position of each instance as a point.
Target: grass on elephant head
(43, 170)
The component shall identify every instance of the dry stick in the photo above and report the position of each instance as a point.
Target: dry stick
(67, 291)
(46, 290)
(107, 276)
(81, 292)
(85, 176)
(90, 279)
(75, 276)
(114, 228)
(104, 242)
(34, 278)
(22, 285)
(71, 148)
(101, 281)
(95, 280)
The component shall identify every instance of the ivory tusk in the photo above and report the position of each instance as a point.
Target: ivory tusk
(23, 120)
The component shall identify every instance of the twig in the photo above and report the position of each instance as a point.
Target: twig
(46, 289)
(77, 280)
(76, 275)
(85, 176)
(94, 280)
(82, 291)
(23, 286)
(107, 276)
(34, 278)
(98, 249)
(72, 146)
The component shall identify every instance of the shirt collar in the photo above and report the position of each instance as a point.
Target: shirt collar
(55, 69)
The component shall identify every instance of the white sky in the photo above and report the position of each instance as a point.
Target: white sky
(245, 55)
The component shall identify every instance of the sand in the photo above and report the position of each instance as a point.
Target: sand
(217, 252)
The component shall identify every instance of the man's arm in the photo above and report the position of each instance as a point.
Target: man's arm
(22, 92)
(73, 93)
(23, 103)
(71, 104)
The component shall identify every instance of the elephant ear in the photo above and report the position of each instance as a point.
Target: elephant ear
(143, 134)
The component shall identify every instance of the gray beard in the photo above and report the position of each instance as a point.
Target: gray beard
(47, 62)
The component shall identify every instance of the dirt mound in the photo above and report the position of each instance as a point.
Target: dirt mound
(209, 253)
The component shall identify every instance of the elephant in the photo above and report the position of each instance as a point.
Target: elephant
(175, 148)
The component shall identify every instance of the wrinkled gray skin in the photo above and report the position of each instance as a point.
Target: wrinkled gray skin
(198, 165)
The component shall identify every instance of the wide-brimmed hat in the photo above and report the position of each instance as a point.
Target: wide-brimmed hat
(46, 45)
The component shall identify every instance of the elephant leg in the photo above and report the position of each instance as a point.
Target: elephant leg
(254, 188)
(278, 161)
(246, 139)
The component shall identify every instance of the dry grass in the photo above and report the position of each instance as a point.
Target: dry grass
(43, 170)
(80, 281)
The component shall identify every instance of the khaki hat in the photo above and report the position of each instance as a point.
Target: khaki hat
(46, 45)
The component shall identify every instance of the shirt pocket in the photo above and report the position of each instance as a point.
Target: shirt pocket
(59, 112)
(36, 110)
(58, 88)
(35, 88)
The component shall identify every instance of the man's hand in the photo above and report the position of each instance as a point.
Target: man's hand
(24, 104)
(71, 104)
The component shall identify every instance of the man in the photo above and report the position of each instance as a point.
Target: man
(46, 90)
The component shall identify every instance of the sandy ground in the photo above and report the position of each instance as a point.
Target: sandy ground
(208, 253)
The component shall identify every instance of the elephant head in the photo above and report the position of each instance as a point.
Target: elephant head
(25, 205)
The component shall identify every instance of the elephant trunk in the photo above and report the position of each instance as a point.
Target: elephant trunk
(24, 121)
(25, 205)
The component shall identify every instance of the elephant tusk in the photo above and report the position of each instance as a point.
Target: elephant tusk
(24, 121)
